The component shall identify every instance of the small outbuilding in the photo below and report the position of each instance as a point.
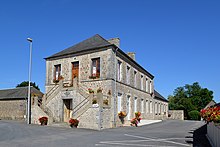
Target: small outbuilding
(13, 102)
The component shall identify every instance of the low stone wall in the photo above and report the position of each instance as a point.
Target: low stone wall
(213, 133)
(176, 114)
(13, 109)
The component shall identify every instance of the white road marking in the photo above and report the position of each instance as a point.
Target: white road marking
(143, 139)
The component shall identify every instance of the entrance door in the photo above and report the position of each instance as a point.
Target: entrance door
(128, 107)
(75, 70)
(67, 109)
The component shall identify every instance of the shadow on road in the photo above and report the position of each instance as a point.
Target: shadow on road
(199, 137)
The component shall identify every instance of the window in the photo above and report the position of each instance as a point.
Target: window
(142, 105)
(150, 86)
(119, 101)
(135, 79)
(142, 85)
(151, 107)
(146, 85)
(155, 107)
(128, 75)
(147, 106)
(57, 72)
(96, 67)
(135, 104)
(119, 70)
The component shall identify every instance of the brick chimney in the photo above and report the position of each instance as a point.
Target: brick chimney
(132, 55)
(115, 41)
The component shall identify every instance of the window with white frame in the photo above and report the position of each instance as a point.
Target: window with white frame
(96, 67)
(155, 106)
(119, 102)
(150, 86)
(142, 83)
(147, 85)
(128, 74)
(119, 70)
(135, 78)
(135, 104)
(151, 107)
(142, 105)
(57, 72)
(147, 106)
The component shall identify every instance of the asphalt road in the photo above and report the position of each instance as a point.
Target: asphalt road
(170, 133)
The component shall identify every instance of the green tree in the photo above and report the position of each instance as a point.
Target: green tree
(26, 83)
(189, 98)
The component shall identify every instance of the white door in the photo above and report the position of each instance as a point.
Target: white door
(128, 107)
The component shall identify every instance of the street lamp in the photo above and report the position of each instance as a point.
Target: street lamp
(29, 85)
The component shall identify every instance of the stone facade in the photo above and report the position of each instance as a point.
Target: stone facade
(176, 114)
(13, 109)
(127, 86)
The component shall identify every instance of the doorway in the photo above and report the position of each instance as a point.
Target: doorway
(67, 109)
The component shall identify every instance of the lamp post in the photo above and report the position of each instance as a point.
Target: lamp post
(29, 85)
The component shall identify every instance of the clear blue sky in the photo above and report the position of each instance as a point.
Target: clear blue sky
(178, 41)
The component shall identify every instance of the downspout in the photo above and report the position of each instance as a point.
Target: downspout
(115, 97)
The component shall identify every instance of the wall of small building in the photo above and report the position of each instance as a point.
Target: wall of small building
(14, 109)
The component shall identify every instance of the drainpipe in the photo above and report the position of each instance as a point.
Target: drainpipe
(115, 114)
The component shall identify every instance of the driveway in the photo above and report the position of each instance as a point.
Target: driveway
(170, 133)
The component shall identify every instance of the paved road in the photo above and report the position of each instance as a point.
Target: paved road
(165, 134)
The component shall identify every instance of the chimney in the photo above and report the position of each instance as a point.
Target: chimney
(115, 41)
(132, 55)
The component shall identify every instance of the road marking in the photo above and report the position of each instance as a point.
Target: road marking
(142, 139)
(161, 140)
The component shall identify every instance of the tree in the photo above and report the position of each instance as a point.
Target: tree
(189, 98)
(26, 83)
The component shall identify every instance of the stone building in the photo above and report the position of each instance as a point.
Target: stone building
(115, 80)
(13, 102)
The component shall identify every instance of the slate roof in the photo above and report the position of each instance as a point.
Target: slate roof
(159, 96)
(93, 42)
(18, 93)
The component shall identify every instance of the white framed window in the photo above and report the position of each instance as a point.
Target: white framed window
(142, 82)
(135, 104)
(128, 72)
(147, 85)
(151, 107)
(155, 106)
(147, 106)
(150, 86)
(142, 105)
(119, 70)
(135, 78)
(119, 101)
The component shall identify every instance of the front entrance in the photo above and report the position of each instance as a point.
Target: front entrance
(67, 109)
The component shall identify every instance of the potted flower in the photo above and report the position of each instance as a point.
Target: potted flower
(122, 115)
(99, 90)
(43, 120)
(73, 122)
(134, 122)
(90, 90)
(105, 101)
(137, 116)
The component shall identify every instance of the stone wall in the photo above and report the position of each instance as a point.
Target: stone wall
(176, 114)
(13, 109)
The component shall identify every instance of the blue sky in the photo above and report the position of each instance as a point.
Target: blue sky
(178, 41)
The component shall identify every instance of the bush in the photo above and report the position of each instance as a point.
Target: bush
(194, 115)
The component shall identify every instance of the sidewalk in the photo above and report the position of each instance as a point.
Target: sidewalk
(147, 122)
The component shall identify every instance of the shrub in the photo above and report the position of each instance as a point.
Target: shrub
(194, 115)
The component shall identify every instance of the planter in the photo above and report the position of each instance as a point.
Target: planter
(213, 133)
